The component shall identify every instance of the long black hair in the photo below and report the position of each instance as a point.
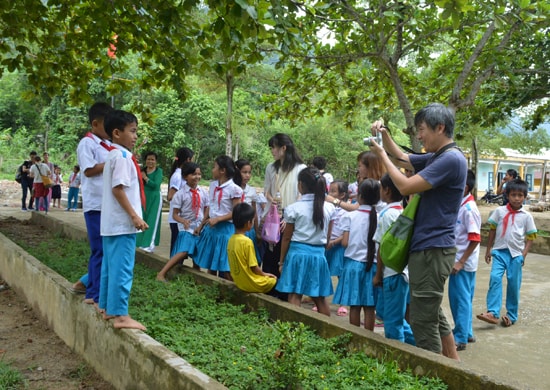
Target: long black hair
(369, 194)
(226, 163)
(183, 155)
(292, 158)
(314, 183)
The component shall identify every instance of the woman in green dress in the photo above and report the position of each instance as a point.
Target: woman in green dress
(152, 179)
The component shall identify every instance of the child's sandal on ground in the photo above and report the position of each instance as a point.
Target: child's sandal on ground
(487, 317)
(506, 321)
(342, 311)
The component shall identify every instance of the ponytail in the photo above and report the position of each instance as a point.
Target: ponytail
(369, 194)
(226, 163)
(314, 183)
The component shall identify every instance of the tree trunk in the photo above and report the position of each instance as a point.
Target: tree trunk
(475, 159)
(230, 87)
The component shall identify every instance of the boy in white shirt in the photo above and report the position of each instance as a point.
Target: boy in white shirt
(512, 232)
(121, 219)
(462, 281)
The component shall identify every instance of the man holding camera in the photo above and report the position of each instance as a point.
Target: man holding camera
(440, 179)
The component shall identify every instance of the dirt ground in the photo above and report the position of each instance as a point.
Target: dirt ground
(26, 341)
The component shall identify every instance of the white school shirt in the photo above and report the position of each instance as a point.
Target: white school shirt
(183, 200)
(37, 170)
(519, 226)
(336, 224)
(119, 170)
(301, 215)
(249, 195)
(177, 183)
(224, 205)
(357, 224)
(386, 217)
(58, 179)
(89, 153)
(468, 221)
(74, 180)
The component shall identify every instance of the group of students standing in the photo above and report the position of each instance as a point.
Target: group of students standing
(323, 233)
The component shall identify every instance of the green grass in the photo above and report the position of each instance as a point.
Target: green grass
(241, 350)
(10, 378)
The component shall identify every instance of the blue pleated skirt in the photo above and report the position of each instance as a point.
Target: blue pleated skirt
(211, 251)
(355, 286)
(335, 259)
(305, 271)
(185, 242)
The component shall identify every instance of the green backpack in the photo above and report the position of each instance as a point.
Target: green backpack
(395, 243)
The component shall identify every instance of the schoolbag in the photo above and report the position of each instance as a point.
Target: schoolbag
(395, 243)
(19, 173)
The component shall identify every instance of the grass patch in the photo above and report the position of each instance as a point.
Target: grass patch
(10, 378)
(240, 350)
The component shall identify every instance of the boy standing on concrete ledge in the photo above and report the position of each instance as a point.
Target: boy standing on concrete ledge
(121, 219)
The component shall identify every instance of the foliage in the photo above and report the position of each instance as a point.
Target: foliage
(241, 350)
(10, 378)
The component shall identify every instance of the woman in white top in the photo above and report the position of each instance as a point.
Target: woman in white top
(281, 176)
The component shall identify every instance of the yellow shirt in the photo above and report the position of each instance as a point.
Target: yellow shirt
(242, 258)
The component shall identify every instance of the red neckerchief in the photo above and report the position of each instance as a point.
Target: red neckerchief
(102, 143)
(397, 207)
(195, 201)
(469, 198)
(364, 211)
(72, 178)
(511, 212)
(218, 188)
(141, 190)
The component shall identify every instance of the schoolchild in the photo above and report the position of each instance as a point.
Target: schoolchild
(249, 196)
(74, 189)
(123, 199)
(39, 169)
(245, 272)
(511, 236)
(183, 155)
(189, 205)
(395, 286)
(56, 188)
(334, 253)
(462, 281)
(223, 194)
(353, 187)
(26, 182)
(355, 286)
(91, 153)
(320, 163)
(303, 265)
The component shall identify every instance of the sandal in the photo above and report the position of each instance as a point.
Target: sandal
(342, 311)
(506, 321)
(488, 317)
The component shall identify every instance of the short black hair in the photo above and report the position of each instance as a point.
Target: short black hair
(99, 111)
(242, 213)
(470, 180)
(387, 182)
(118, 119)
(319, 162)
(516, 185)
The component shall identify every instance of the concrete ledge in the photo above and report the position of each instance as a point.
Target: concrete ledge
(128, 359)
(144, 372)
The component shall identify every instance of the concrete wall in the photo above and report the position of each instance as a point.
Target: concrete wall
(145, 364)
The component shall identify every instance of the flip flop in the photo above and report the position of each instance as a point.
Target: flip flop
(506, 321)
(342, 311)
(487, 317)
(77, 290)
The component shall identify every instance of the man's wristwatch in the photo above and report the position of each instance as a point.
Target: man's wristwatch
(336, 202)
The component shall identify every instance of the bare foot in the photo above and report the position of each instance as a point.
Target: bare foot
(126, 322)
(89, 301)
(161, 278)
(107, 317)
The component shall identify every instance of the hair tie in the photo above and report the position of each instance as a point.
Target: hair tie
(176, 158)
(317, 176)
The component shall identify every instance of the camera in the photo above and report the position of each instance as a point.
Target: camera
(368, 140)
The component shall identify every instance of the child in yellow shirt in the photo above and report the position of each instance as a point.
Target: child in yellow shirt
(246, 273)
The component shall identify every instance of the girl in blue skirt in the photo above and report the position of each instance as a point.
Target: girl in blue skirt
(189, 206)
(223, 194)
(334, 253)
(303, 266)
(355, 286)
